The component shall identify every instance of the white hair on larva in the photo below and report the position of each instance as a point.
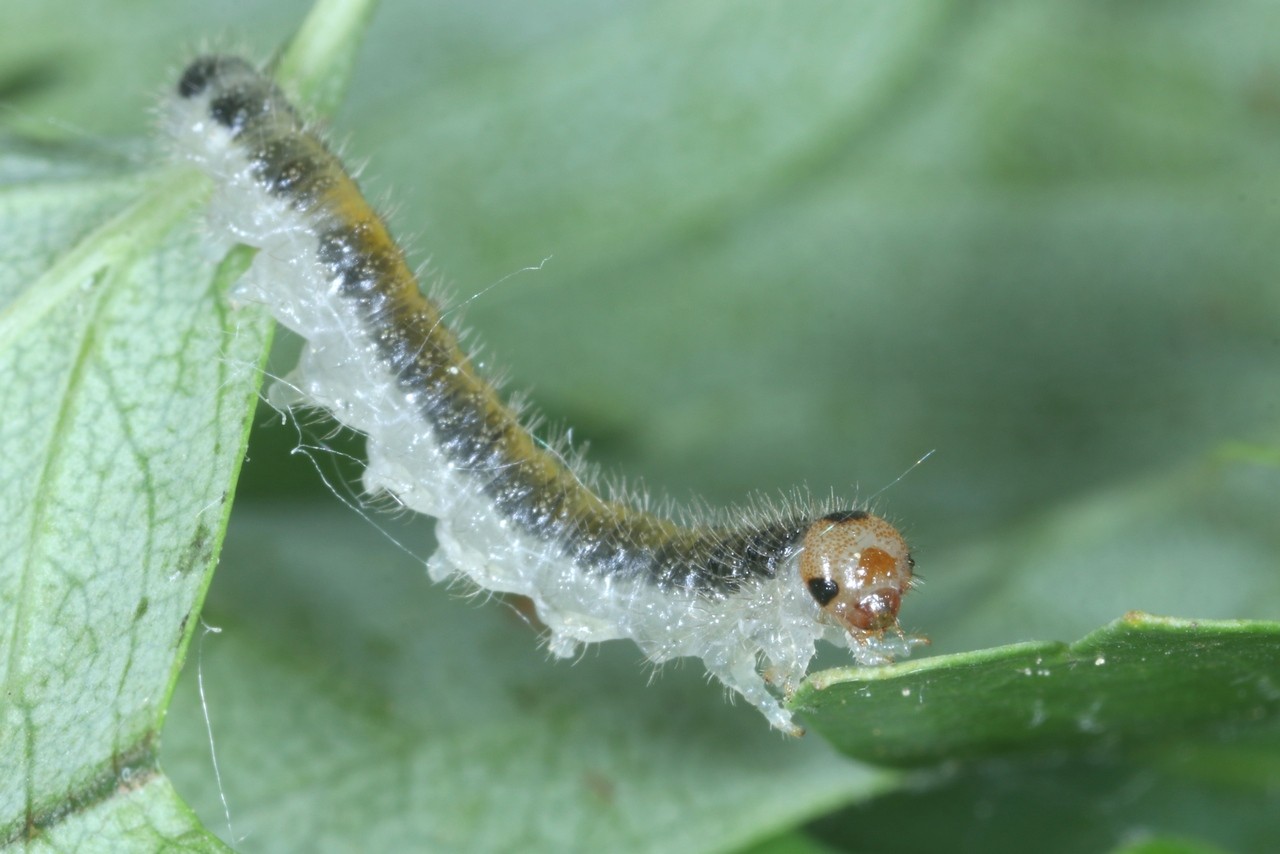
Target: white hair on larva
(748, 592)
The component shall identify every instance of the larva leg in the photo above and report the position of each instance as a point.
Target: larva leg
(786, 677)
(563, 646)
(741, 675)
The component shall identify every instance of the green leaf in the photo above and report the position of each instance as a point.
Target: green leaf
(1140, 679)
(790, 843)
(129, 388)
(142, 814)
(316, 66)
(126, 406)
(1166, 845)
(1070, 802)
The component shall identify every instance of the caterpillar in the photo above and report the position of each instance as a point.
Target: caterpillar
(749, 596)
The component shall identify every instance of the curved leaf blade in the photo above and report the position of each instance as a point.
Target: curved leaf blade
(1139, 679)
(130, 385)
(127, 413)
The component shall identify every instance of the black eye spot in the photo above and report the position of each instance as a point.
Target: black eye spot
(823, 590)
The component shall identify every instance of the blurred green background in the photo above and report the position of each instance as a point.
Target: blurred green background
(783, 243)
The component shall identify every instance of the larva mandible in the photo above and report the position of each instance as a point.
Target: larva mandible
(750, 599)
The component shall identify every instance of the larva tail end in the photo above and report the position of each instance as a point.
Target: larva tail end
(204, 72)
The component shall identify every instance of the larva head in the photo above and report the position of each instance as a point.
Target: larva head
(857, 567)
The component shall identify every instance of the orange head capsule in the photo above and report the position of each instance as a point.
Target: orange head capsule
(857, 567)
